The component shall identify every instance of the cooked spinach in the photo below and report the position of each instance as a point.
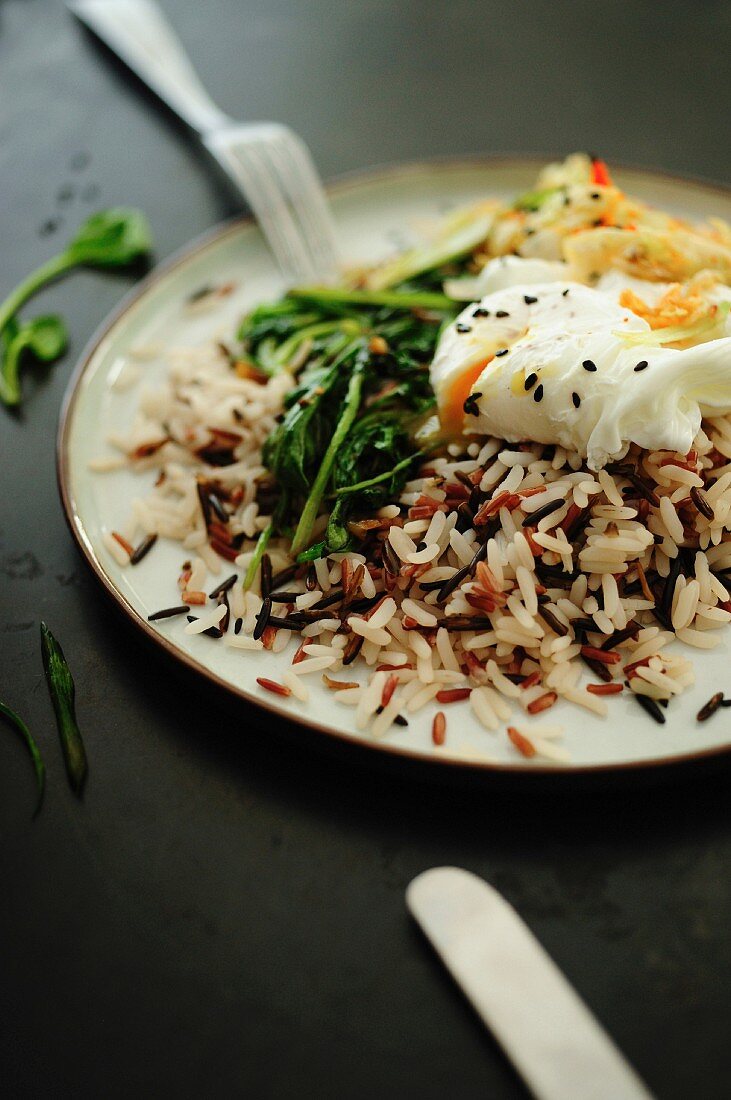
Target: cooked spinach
(345, 442)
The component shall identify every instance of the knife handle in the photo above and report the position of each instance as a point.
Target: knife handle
(137, 31)
(555, 1043)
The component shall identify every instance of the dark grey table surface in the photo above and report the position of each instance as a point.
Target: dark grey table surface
(223, 914)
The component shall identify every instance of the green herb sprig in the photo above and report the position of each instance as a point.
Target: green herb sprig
(44, 339)
(62, 691)
(347, 440)
(109, 239)
(38, 765)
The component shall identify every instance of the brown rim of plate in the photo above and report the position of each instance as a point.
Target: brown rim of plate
(179, 258)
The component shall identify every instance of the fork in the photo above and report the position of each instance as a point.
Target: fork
(268, 163)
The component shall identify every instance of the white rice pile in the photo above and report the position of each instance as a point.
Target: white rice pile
(617, 565)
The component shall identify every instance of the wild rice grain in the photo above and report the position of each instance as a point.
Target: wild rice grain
(144, 548)
(352, 649)
(224, 586)
(262, 619)
(701, 502)
(651, 707)
(168, 613)
(266, 576)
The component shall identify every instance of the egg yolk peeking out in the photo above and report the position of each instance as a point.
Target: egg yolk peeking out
(451, 412)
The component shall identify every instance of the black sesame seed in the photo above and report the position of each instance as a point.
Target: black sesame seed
(463, 328)
(470, 405)
(641, 366)
(595, 195)
(588, 365)
(480, 312)
(502, 313)
(597, 222)
(538, 393)
(530, 381)
(567, 201)
(576, 400)
(503, 351)
(529, 300)
(565, 292)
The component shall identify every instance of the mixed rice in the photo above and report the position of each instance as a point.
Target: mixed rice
(503, 578)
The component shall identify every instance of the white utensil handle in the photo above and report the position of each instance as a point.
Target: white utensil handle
(556, 1044)
(140, 35)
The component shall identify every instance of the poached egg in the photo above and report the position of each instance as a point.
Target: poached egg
(562, 363)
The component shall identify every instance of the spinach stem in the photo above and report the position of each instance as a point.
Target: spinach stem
(312, 504)
(327, 295)
(33, 283)
(380, 477)
(10, 393)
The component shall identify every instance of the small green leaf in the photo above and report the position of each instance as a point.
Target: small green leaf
(112, 238)
(44, 338)
(39, 766)
(47, 337)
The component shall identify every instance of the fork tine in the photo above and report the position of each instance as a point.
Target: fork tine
(273, 210)
(304, 192)
(268, 205)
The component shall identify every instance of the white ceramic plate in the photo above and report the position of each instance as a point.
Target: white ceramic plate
(375, 213)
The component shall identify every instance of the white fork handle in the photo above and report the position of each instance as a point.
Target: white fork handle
(140, 35)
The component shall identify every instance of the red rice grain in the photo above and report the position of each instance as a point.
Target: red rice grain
(273, 686)
(522, 744)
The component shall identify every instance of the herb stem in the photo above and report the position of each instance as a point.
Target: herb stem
(44, 274)
(286, 351)
(326, 295)
(261, 545)
(39, 766)
(62, 691)
(380, 477)
(312, 505)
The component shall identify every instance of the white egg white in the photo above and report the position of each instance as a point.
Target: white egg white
(542, 341)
